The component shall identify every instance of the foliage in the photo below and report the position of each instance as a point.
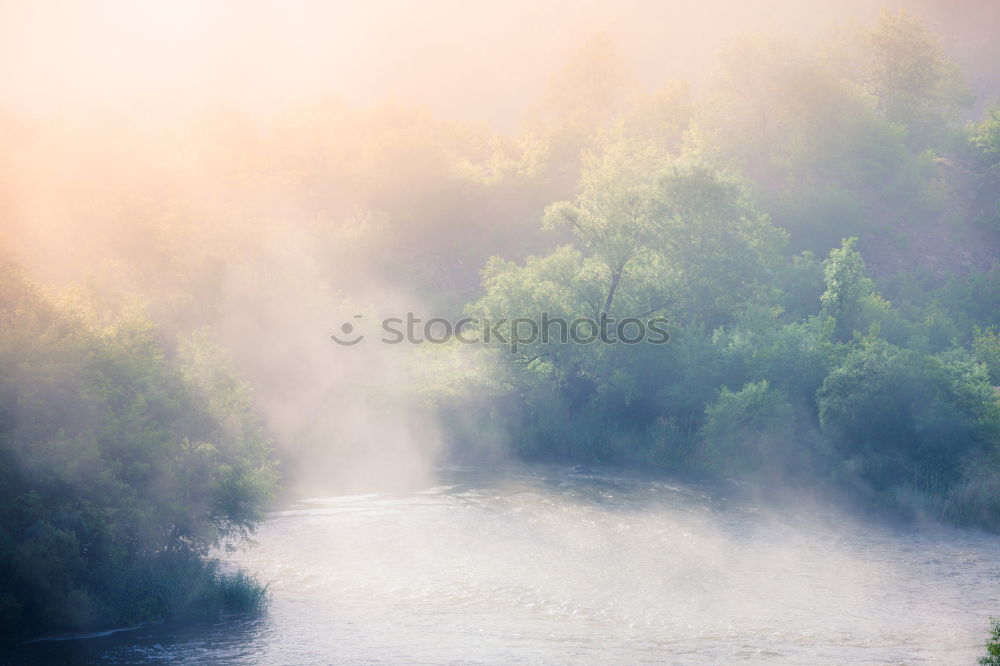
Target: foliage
(847, 288)
(900, 417)
(986, 347)
(778, 365)
(129, 450)
(749, 431)
(992, 657)
(120, 470)
(916, 86)
(985, 138)
(984, 148)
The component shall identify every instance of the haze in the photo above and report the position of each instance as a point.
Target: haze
(209, 211)
(480, 61)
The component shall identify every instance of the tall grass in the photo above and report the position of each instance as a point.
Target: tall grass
(215, 593)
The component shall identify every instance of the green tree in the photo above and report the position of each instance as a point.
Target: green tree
(614, 216)
(915, 84)
(848, 288)
(986, 347)
(120, 471)
(724, 251)
(984, 141)
(992, 656)
(899, 417)
(985, 137)
(752, 431)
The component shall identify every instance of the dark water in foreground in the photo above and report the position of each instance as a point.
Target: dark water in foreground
(542, 566)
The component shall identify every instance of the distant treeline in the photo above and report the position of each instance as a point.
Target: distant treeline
(783, 366)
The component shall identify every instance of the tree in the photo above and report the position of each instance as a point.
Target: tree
(907, 72)
(992, 657)
(898, 417)
(847, 288)
(613, 218)
(984, 141)
(120, 470)
(723, 250)
(591, 87)
(986, 347)
(751, 431)
(985, 138)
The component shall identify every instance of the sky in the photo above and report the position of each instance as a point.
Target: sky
(482, 61)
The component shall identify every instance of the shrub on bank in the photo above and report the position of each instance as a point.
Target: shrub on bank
(119, 471)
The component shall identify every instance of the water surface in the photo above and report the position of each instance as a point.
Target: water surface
(544, 566)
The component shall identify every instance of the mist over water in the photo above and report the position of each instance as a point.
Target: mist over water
(347, 419)
(540, 565)
(255, 178)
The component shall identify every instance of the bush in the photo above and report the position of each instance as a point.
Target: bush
(898, 417)
(752, 431)
(992, 657)
(119, 471)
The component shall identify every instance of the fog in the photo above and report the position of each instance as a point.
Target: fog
(805, 192)
(143, 138)
(537, 565)
(479, 62)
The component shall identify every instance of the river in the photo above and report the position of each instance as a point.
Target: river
(540, 565)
